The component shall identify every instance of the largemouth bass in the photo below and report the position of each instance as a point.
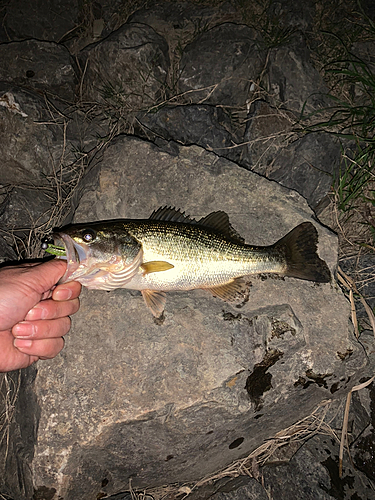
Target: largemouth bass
(171, 251)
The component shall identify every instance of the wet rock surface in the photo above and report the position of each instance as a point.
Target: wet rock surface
(181, 105)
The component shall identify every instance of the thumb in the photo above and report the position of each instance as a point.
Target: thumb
(44, 275)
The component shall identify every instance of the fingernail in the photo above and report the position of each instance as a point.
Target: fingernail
(62, 294)
(24, 329)
(37, 312)
(20, 343)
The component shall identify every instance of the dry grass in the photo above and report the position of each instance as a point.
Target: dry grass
(9, 389)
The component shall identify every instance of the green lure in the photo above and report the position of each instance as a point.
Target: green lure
(54, 250)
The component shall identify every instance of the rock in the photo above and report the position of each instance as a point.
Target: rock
(6, 251)
(289, 14)
(307, 163)
(293, 80)
(26, 208)
(18, 431)
(38, 163)
(42, 21)
(127, 69)
(180, 23)
(46, 153)
(33, 145)
(220, 65)
(313, 474)
(37, 65)
(176, 401)
(182, 17)
(243, 488)
(206, 126)
(363, 447)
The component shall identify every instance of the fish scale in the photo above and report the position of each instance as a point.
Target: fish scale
(171, 251)
(201, 258)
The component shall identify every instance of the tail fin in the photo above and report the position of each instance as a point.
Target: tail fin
(300, 248)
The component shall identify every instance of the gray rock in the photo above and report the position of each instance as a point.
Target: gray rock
(6, 251)
(42, 66)
(25, 208)
(175, 401)
(39, 164)
(289, 14)
(244, 488)
(167, 17)
(268, 130)
(313, 474)
(219, 66)
(33, 145)
(293, 80)
(307, 164)
(43, 21)
(18, 430)
(45, 155)
(127, 69)
(206, 126)
(363, 448)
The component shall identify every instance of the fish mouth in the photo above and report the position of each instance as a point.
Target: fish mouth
(76, 256)
(91, 271)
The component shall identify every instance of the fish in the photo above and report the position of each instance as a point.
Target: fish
(172, 251)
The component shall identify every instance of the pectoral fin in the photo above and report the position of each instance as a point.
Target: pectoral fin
(155, 300)
(229, 291)
(156, 266)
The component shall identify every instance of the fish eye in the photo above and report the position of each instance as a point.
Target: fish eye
(88, 235)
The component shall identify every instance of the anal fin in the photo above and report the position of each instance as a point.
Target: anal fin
(229, 292)
(155, 301)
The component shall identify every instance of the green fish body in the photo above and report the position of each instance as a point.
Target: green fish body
(171, 251)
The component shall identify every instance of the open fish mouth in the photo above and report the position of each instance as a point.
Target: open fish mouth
(75, 255)
(91, 271)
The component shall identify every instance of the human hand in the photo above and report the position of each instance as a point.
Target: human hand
(34, 314)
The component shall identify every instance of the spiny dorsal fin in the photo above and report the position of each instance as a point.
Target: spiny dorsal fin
(155, 301)
(231, 291)
(155, 266)
(220, 222)
(172, 215)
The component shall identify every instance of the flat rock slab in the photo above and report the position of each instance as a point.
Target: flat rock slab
(160, 402)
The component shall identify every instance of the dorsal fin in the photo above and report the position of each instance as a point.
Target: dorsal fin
(171, 214)
(220, 222)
